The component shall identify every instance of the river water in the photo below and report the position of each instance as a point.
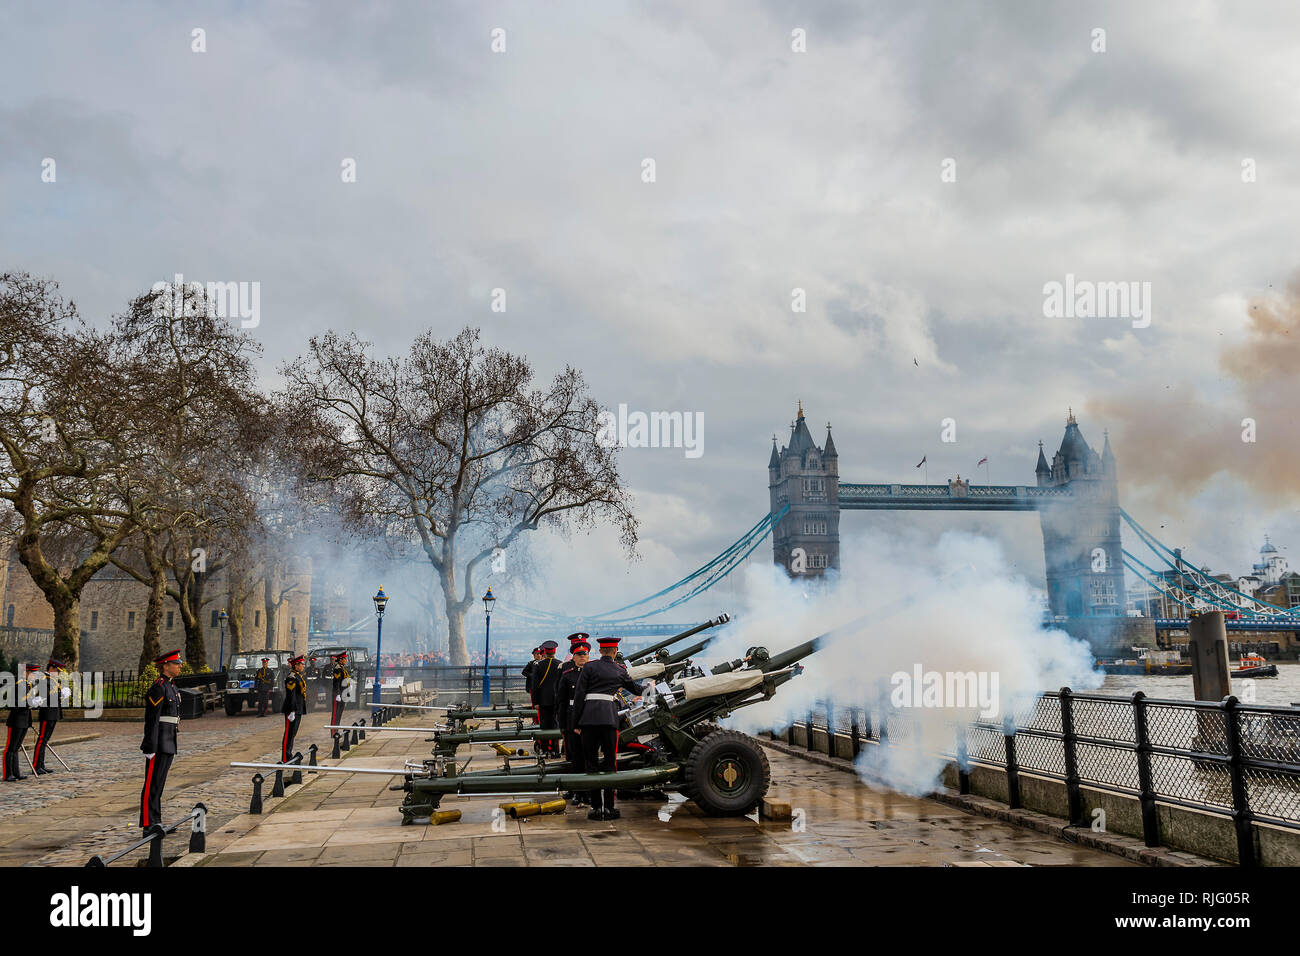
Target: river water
(1283, 689)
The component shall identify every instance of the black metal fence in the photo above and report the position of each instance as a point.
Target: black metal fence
(1236, 760)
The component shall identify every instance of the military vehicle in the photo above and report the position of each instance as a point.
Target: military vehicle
(240, 687)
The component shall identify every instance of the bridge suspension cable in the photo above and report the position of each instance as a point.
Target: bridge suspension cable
(698, 581)
(1197, 588)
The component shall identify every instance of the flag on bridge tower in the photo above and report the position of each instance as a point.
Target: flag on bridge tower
(921, 462)
(981, 461)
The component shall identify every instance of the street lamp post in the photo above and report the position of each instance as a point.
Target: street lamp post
(488, 601)
(381, 600)
(221, 658)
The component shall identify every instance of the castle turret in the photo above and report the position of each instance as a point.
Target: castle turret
(805, 477)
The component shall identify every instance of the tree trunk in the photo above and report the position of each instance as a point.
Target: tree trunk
(150, 648)
(67, 629)
(456, 645)
(236, 621)
(272, 606)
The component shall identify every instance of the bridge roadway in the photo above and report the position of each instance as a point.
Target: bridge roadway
(952, 496)
(341, 820)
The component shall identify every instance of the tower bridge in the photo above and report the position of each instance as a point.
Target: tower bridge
(1076, 497)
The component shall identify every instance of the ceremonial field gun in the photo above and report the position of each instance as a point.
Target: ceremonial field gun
(644, 653)
(669, 741)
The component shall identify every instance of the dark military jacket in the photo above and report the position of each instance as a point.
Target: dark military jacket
(20, 715)
(338, 676)
(162, 715)
(546, 678)
(295, 694)
(265, 676)
(527, 671)
(52, 709)
(594, 703)
(564, 695)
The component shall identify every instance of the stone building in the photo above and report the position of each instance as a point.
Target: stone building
(113, 606)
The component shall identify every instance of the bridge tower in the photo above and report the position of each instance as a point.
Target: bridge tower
(807, 539)
(1082, 551)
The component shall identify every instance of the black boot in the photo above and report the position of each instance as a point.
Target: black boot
(596, 812)
(8, 771)
(18, 775)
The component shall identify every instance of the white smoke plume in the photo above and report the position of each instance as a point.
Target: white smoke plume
(947, 606)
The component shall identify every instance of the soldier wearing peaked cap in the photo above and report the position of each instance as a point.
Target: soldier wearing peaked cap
(579, 648)
(596, 718)
(341, 681)
(294, 706)
(51, 710)
(528, 673)
(263, 680)
(20, 718)
(546, 679)
(162, 718)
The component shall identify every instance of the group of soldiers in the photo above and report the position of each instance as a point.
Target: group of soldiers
(580, 699)
(162, 715)
(45, 691)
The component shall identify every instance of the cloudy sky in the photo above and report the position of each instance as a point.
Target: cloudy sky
(774, 170)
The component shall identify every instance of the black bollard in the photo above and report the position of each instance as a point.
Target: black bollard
(256, 805)
(362, 724)
(312, 761)
(199, 830)
(155, 845)
(277, 790)
(343, 740)
(335, 753)
(297, 774)
(354, 733)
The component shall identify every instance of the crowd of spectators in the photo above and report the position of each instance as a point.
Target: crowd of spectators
(438, 659)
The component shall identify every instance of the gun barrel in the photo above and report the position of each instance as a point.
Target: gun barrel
(688, 651)
(659, 645)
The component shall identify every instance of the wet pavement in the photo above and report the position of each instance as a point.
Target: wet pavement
(353, 820)
(67, 817)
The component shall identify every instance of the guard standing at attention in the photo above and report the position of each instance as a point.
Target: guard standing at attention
(528, 674)
(546, 678)
(595, 716)
(341, 681)
(20, 718)
(162, 718)
(263, 680)
(50, 713)
(579, 648)
(294, 706)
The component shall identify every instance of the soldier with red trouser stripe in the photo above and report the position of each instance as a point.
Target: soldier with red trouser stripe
(162, 718)
(20, 718)
(595, 718)
(294, 706)
(50, 713)
(341, 681)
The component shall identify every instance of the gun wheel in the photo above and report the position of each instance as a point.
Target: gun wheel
(726, 774)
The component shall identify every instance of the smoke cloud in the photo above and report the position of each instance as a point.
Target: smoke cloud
(951, 606)
(1173, 445)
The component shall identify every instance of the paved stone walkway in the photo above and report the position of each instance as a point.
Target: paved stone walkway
(343, 820)
(66, 818)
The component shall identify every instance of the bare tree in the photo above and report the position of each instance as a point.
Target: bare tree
(67, 424)
(452, 447)
(202, 420)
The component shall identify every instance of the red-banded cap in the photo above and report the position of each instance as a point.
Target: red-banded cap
(169, 657)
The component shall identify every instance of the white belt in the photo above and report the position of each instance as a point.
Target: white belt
(609, 697)
(170, 720)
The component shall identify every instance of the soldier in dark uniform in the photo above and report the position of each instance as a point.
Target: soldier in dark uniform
(20, 718)
(294, 706)
(546, 678)
(564, 710)
(341, 681)
(263, 680)
(595, 716)
(528, 674)
(50, 713)
(162, 718)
